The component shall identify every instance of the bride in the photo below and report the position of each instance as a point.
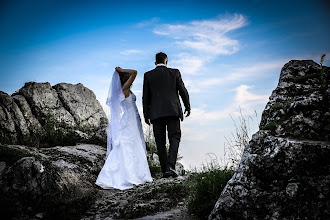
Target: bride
(126, 161)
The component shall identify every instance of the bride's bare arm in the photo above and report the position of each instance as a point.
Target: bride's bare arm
(130, 80)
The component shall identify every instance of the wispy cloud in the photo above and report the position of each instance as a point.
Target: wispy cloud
(132, 51)
(206, 36)
(203, 40)
(200, 125)
(147, 22)
(233, 75)
(247, 100)
(187, 63)
(243, 98)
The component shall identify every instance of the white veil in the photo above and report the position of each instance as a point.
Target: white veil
(115, 97)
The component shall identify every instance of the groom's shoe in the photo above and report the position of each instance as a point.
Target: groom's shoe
(174, 173)
(170, 173)
(167, 174)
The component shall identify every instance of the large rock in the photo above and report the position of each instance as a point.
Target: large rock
(59, 183)
(299, 106)
(34, 126)
(42, 180)
(12, 123)
(285, 170)
(82, 104)
(41, 115)
(45, 103)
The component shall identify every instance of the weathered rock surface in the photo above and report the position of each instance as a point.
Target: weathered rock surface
(32, 179)
(165, 198)
(45, 174)
(12, 122)
(82, 104)
(300, 105)
(285, 169)
(41, 115)
(59, 183)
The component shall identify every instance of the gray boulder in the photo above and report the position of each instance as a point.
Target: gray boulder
(45, 103)
(299, 106)
(24, 177)
(12, 123)
(43, 180)
(41, 115)
(284, 172)
(34, 126)
(82, 104)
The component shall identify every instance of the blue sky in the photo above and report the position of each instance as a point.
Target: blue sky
(230, 53)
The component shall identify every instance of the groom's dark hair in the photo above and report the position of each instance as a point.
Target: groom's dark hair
(161, 57)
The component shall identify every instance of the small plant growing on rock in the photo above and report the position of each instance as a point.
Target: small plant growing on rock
(322, 59)
(206, 186)
(270, 126)
(57, 133)
(235, 144)
(324, 78)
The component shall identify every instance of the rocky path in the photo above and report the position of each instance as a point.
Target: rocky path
(161, 199)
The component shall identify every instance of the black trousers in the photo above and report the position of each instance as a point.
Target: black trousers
(167, 159)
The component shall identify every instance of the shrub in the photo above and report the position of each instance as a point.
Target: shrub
(205, 189)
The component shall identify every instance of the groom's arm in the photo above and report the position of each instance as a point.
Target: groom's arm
(146, 100)
(183, 92)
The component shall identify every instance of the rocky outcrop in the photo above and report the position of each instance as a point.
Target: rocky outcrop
(53, 177)
(41, 115)
(59, 183)
(300, 105)
(285, 170)
(12, 122)
(34, 180)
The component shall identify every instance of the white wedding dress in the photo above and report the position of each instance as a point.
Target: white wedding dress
(126, 164)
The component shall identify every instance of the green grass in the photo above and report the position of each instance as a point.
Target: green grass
(205, 189)
(155, 171)
(270, 126)
(277, 106)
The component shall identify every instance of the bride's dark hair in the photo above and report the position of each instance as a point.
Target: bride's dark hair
(123, 77)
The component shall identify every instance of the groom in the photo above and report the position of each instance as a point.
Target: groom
(162, 108)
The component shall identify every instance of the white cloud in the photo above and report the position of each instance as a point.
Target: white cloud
(247, 100)
(196, 136)
(187, 63)
(132, 51)
(243, 99)
(245, 72)
(206, 36)
(147, 22)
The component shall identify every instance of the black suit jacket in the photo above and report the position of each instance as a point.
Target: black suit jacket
(161, 89)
